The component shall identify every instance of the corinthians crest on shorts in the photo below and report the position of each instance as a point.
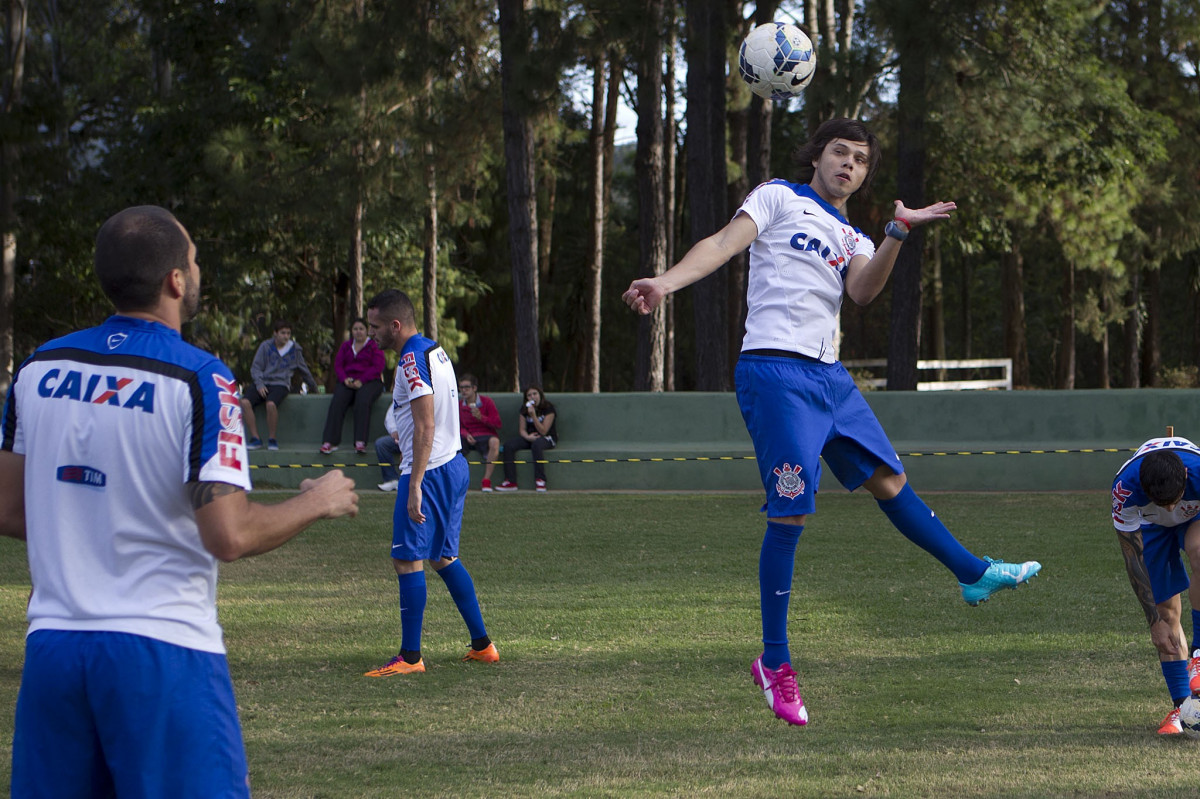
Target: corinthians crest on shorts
(790, 485)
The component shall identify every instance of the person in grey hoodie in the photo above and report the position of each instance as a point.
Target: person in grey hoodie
(274, 362)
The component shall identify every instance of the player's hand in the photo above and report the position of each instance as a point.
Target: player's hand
(470, 438)
(476, 412)
(262, 392)
(1166, 640)
(336, 491)
(644, 295)
(414, 503)
(915, 217)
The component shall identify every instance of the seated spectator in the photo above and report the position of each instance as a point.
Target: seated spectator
(538, 433)
(387, 448)
(359, 366)
(479, 425)
(275, 361)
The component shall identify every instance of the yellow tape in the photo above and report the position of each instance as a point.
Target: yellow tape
(678, 459)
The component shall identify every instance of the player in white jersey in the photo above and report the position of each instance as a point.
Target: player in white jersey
(1155, 503)
(432, 489)
(798, 401)
(124, 469)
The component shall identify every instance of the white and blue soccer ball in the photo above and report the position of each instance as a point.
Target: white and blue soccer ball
(777, 60)
(1189, 716)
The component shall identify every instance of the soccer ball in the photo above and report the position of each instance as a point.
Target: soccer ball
(777, 60)
(1189, 716)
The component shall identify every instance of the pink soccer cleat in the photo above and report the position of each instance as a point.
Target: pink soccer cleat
(779, 686)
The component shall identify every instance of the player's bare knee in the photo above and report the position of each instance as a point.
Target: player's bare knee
(885, 484)
(408, 566)
(1192, 550)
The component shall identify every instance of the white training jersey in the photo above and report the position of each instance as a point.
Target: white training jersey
(425, 369)
(1132, 509)
(113, 422)
(797, 269)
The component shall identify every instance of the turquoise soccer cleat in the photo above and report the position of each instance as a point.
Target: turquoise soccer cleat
(998, 575)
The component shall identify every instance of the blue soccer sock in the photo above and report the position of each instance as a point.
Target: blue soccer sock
(462, 590)
(412, 609)
(775, 564)
(1195, 631)
(919, 524)
(1175, 673)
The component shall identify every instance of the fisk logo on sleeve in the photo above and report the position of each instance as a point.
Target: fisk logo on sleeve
(1119, 495)
(412, 375)
(229, 440)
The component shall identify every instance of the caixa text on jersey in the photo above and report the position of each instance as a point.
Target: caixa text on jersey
(115, 390)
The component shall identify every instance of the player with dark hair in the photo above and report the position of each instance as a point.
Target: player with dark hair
(432, 489)
(124, 469)
(1155, 502)
(799, 403)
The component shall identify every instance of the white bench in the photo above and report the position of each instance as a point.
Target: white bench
(1002, 364)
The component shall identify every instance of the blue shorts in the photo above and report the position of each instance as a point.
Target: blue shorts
(1164, 565)
(443, 495)
(798, 411)
(100, 713)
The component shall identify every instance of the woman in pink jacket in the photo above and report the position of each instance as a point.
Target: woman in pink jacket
(359, 368)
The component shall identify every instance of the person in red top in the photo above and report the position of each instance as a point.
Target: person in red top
(359, 366)
(479, 424)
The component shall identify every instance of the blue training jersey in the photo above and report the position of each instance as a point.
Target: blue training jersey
(425, 370)
(113, 422)
(1132, 509)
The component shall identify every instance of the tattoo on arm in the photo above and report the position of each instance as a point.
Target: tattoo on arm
(202, 493)
(1139, 578)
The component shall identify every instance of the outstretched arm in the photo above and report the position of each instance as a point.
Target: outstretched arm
(865, 278)
(232, 527)
(706, 256)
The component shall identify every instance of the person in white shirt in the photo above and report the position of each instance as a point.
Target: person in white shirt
(799, 403)
(124, 469)
(433, 482)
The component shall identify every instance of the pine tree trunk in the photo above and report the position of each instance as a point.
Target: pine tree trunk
(739, 265)
(707, 30)
(429, 264)
(652, 221)
(590, 355)
(1065, 376)
(905, 330)
(1012, 287)
(669, 173)
(522, 191)
(1133, 329)
(16, 30)
(1151, 349)
(937, 301)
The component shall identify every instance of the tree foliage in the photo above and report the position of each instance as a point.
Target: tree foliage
(281, 133)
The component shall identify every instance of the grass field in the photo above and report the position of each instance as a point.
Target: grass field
(626, 626)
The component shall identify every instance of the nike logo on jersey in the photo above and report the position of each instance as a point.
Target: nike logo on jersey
(116, 340)
(72, 386)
